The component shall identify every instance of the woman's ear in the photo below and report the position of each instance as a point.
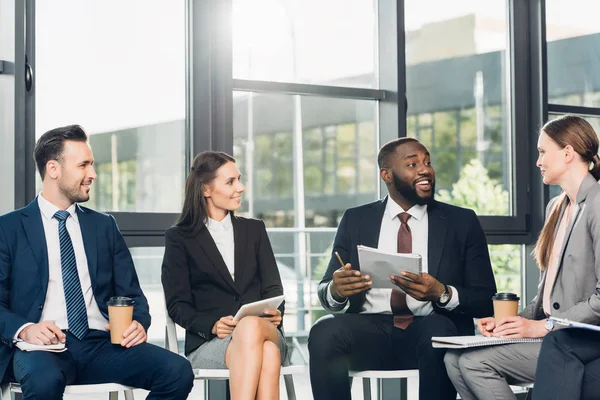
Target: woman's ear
(206, 190)
(569, 153)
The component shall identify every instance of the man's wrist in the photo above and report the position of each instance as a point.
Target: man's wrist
(335, 294)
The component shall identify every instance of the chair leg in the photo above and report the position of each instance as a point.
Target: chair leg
(113, 395)
(128, 395)
(289, 387)
(412, 388)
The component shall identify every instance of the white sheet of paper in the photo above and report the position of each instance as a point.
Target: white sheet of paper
(258, 307)
(379, 265)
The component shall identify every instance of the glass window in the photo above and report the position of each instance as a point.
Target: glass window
(506, 263)
(573, 51)
(457, 96)
(280, 40)
(126, 87)
(339, 150)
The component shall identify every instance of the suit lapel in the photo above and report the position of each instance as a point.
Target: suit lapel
(34, 230)
(240, 238)
(90, 241)
(209, 247)
(437, 227)
(369, 236)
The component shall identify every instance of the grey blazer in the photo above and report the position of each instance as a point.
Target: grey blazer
(576, 291)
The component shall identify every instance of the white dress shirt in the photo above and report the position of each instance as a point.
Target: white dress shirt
(55, 307)
(222, 234)
(377, 301)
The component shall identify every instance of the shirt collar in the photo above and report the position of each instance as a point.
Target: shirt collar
(223, 224)
(392, 209)
(48, 209)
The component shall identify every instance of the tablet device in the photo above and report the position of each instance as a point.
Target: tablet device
(258, 308)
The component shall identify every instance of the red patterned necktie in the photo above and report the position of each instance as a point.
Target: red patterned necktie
(402, 314)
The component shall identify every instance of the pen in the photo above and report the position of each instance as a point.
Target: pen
(339, 259)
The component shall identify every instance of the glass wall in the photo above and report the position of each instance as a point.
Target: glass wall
(121, 75)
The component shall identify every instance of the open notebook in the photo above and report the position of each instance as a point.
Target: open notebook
(55, 348)
(464, 342)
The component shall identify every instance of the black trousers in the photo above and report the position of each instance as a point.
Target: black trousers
(568, 366)
(342, 342)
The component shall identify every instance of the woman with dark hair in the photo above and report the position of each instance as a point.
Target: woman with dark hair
(214, 263)
(568, 254)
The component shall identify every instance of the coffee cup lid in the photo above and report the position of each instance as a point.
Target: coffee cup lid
(120, 301)
(505, 296)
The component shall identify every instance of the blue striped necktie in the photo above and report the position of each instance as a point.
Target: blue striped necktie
(76, 311)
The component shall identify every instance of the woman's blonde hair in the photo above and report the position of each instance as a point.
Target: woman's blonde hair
(577, 132)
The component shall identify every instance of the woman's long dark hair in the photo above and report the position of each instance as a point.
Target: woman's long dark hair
(204, 170)
(577, 132)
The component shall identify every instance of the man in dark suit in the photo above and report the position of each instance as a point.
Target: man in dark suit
(385, 329)
(568, 366)
(59, 265)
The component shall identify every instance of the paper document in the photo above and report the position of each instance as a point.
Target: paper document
(573, 324)
(55, 348)
(379, 265)
(258, 307)
(464, 342)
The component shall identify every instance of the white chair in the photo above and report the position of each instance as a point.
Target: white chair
(206, 375)
(12, 391)
(411, 376)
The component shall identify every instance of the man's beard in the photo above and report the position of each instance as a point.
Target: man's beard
(74, 194)
(409, 192)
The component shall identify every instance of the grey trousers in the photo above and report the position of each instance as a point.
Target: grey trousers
(486, 372)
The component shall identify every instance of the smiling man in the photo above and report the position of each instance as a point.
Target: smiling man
(385, 329)
(60, 263)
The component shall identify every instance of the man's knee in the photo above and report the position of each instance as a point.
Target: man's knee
(47, 384)
(177, 371)
(324, 333)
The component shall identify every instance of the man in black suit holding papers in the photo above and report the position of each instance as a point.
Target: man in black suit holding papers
(385, 329)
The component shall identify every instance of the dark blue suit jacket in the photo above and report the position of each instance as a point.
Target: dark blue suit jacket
(457, 256)
(24, 270)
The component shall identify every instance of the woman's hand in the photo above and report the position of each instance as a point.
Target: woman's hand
(519, 327)
(224, 327)
(486, 325)
(273, 315)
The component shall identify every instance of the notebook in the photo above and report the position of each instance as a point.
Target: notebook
(54, 348)
(573, 324)
(465, 342)
(379, 265)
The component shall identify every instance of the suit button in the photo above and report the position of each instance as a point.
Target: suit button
(41, 307)
(556, 306)
(237, 298)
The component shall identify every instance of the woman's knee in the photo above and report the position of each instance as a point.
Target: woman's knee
(253, 330)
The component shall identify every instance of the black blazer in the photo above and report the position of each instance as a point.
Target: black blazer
(198, 287)
(457, 256)
(24, 270)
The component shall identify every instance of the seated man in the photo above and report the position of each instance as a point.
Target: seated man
(456, 285)
(59, 265)
(568, 366)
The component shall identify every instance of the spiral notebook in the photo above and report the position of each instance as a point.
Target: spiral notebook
(465, 342)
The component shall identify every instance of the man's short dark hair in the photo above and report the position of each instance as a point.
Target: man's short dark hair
(51, 144)
(389, 149)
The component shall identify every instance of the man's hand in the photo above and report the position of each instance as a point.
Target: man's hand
(347, 282)
(519, 327)
(486, 326)
(273, 315)
(133, 335)
(45, 332)
(423, 287)
(224, 326)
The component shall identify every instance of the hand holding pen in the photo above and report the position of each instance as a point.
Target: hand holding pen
(347, 282)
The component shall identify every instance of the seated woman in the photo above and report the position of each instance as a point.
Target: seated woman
(568, 253)
(214, 263)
